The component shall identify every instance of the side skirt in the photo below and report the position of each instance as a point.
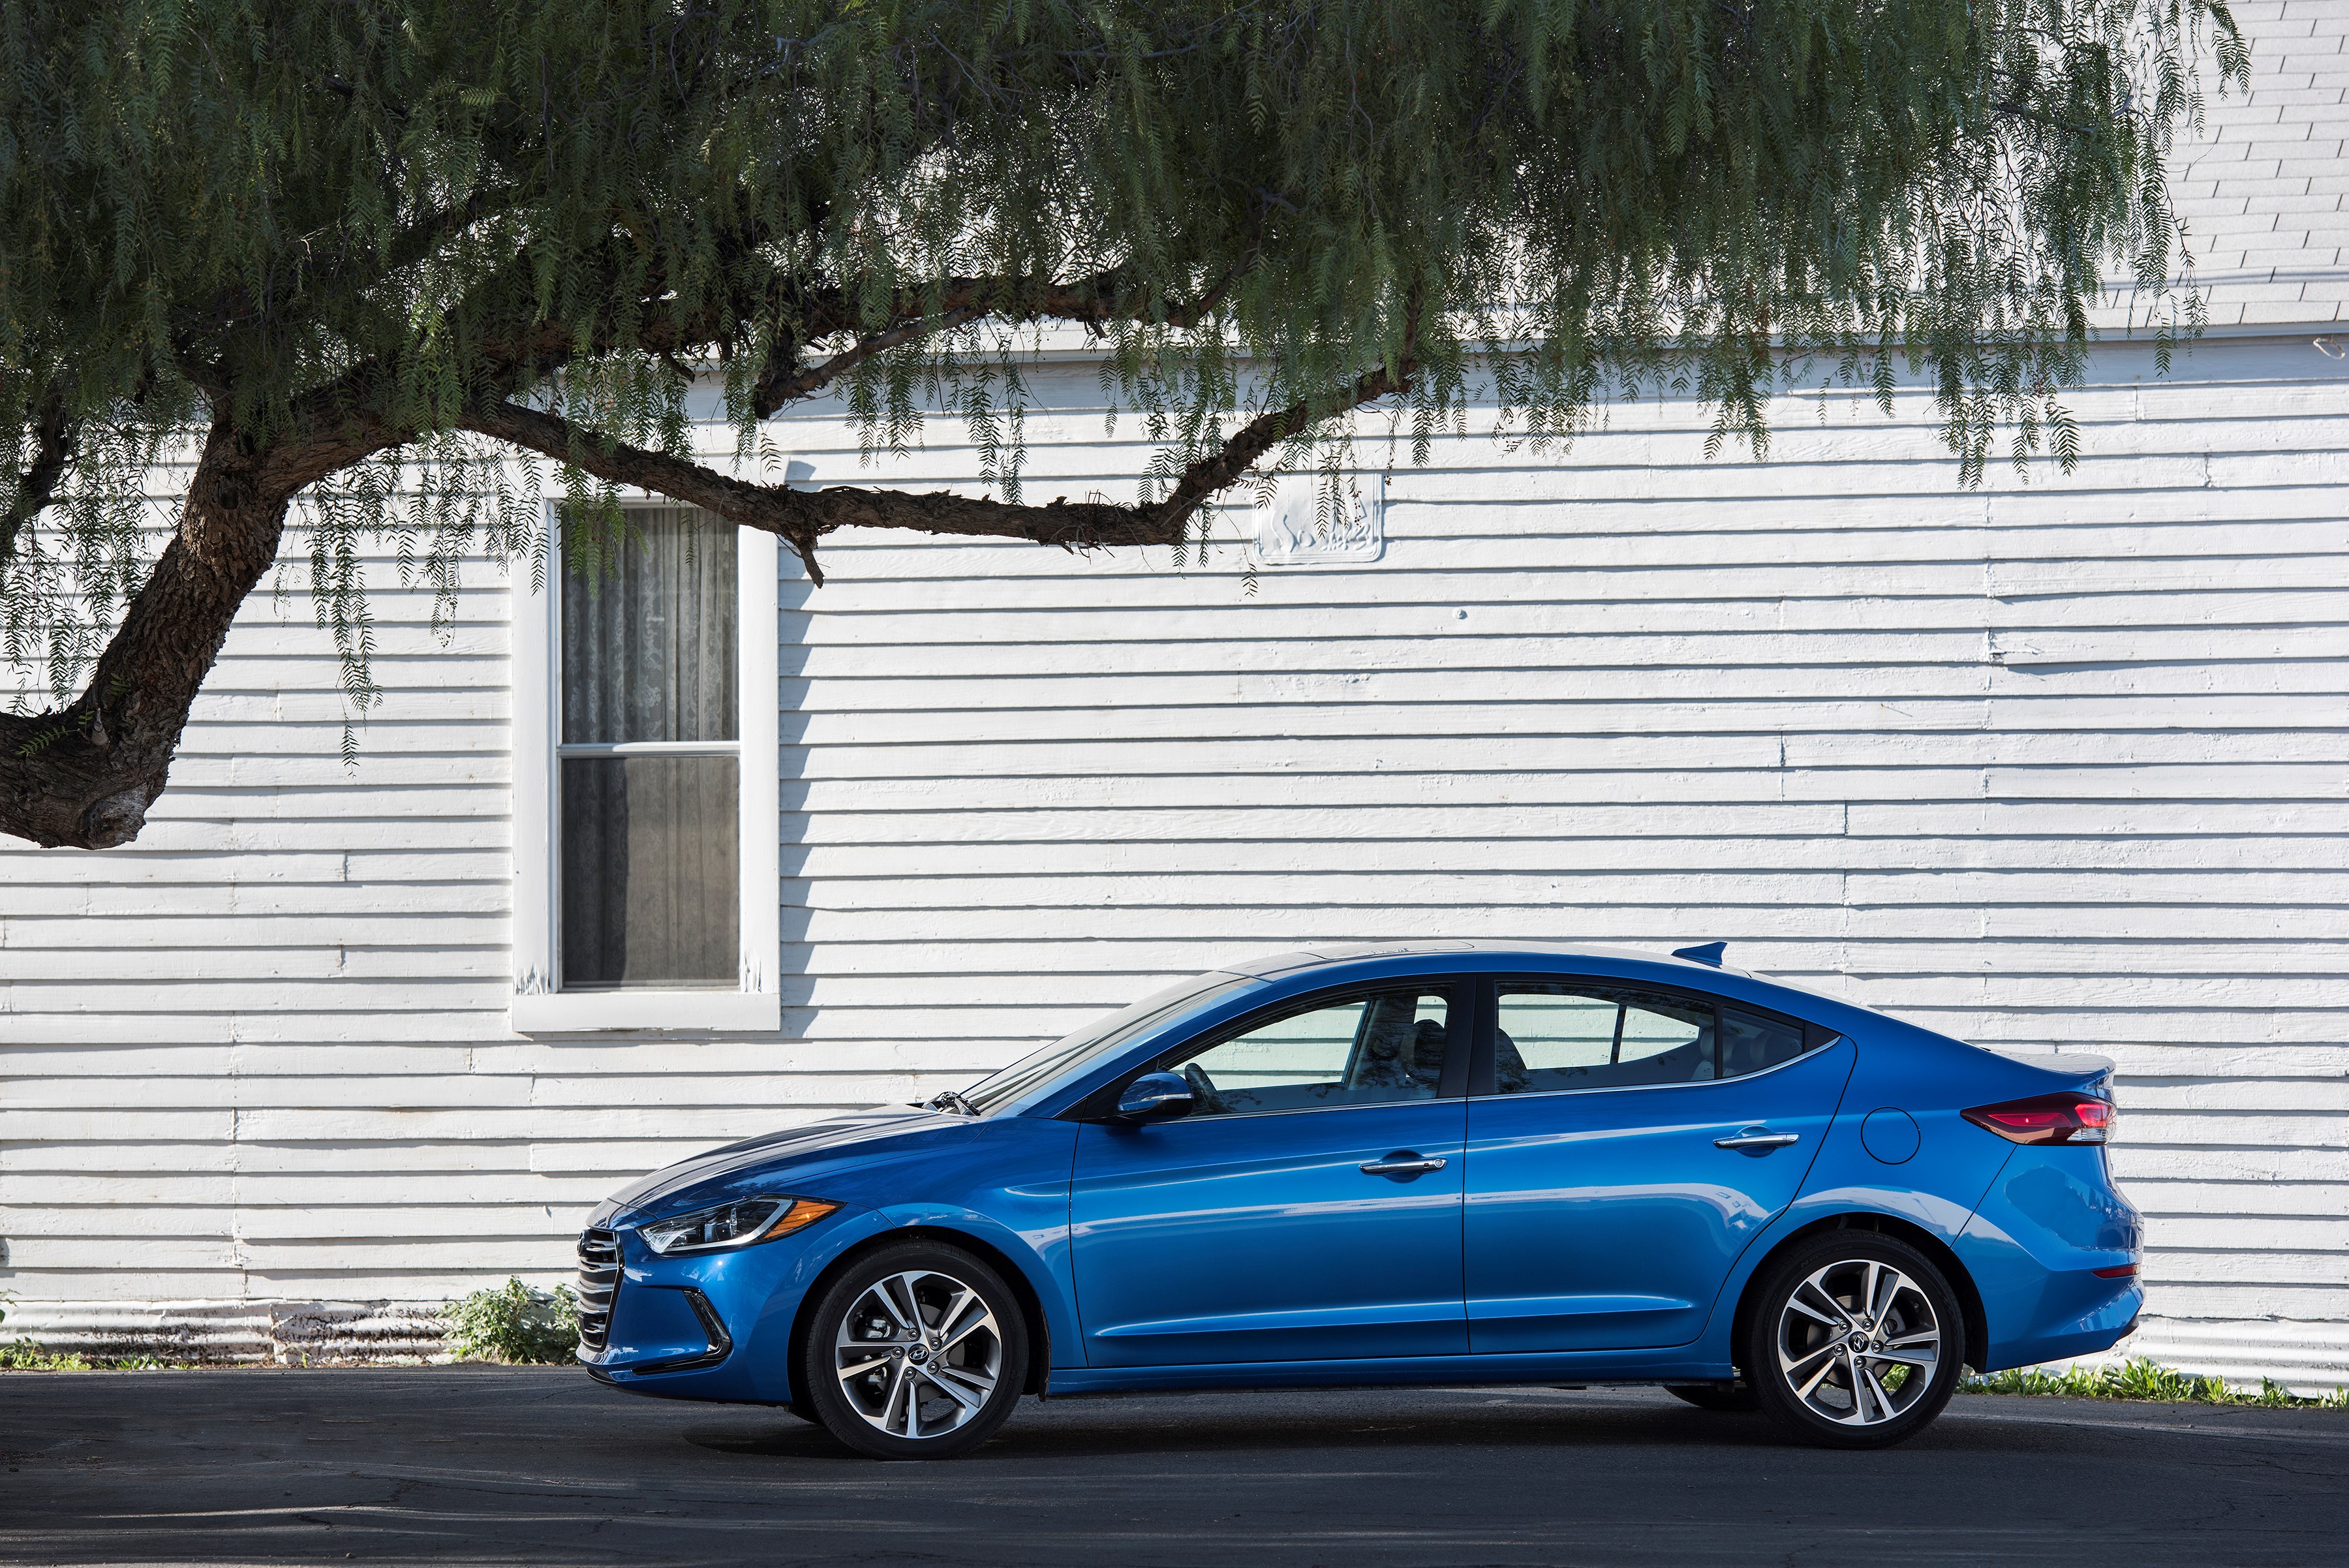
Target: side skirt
(1560, 1366)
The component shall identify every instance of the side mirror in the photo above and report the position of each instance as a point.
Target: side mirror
(1154, 1097)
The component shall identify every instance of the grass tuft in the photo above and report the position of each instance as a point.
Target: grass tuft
(514, 1323)
(2138, 1378)
(26, 1355)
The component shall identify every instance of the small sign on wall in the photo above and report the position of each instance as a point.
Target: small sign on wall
(1306, 524)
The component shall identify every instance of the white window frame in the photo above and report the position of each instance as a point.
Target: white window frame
(755, 1006)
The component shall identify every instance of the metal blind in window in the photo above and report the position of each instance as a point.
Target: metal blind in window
(650, 780)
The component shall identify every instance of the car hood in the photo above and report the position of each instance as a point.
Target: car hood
(852, 1137)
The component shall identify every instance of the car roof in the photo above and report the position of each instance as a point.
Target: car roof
(1290, 962)
(1290, 973)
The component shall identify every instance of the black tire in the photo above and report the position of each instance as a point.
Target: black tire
(954, 1403)
(1714, 1397)
(1862, 1394)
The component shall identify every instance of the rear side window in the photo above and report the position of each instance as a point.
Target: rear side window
(1587, 1037)
(1573, 1035)
(1753, 1040)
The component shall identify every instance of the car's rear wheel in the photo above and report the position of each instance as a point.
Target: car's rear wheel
(1856, 1341)
(1721, 1397)
(917, 1351)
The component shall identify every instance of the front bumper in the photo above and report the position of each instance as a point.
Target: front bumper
(710, 1326)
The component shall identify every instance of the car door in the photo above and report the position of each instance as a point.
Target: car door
(1308, 1208)
(1624, 1145)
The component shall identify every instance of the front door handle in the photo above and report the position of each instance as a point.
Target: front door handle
(1403, 1163)
(1756, 1138)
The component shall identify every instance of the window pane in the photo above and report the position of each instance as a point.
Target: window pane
(1096, 1038)
(1558, 1031)
(648, 642)
(1386, 1046)
(1751, 1042)
(1590, 1037)
(650, 868)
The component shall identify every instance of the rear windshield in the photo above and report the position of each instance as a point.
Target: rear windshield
(1016, 1083)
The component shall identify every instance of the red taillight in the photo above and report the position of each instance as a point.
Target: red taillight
(2069, 1117)
(2118, 1272)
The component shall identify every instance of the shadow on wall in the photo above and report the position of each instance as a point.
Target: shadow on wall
(795, 607)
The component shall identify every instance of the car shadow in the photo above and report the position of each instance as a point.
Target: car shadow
(1103, 1429)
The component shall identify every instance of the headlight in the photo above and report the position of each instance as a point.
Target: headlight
(736, 1224)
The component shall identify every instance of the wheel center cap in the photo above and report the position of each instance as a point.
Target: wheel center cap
(918, 1355)
(1858, 1340)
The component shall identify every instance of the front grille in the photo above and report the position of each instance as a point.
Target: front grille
(599, 1285)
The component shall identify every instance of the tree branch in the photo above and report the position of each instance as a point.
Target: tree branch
(418, 240)
(87, 776)
(52, 448)
(800, 516)
(1225, 466)
(830, 312)
(1094, 301)
(778, 386)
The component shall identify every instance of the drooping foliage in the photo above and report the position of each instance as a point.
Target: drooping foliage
(352, 256)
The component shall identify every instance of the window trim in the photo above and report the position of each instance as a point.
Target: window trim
(755, 1004)
(1483, 1079)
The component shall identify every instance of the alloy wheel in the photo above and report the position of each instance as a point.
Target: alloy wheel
(1859, 1342)
(919, 1353)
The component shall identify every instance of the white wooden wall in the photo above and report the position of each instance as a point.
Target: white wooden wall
(2063, 763)
(2058, 765)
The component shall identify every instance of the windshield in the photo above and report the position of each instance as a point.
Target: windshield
(1032, 1071)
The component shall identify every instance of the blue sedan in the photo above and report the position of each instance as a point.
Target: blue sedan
(1449, 1163)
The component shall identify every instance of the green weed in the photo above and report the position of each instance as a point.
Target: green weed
(2138, 1378)
(28, 1356)
(514, 1323)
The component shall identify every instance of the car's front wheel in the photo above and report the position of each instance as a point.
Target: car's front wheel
(1856, 1341)
(917, 1351)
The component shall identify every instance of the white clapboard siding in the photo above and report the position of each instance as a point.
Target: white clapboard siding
(2056, 763)
(2062, 765)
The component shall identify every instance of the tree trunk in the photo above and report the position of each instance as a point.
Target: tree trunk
(85, 776)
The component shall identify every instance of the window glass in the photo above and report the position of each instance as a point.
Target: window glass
(1387, 1046)
(649, 785)
(1103, 1034)
(1587, 1037)
(650, 861)
(649, 630)
(1753, 1040)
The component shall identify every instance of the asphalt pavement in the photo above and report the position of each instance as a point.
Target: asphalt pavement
(541, 1466)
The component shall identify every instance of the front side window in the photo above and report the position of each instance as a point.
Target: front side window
(1385, 1046)
(1014, 1085)
(1571, 1035)
(649, 777)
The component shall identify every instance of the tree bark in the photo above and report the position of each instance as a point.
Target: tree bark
(85, 777)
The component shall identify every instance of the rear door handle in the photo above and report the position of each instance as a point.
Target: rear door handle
(1403, 1162)
(1756, 1138)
